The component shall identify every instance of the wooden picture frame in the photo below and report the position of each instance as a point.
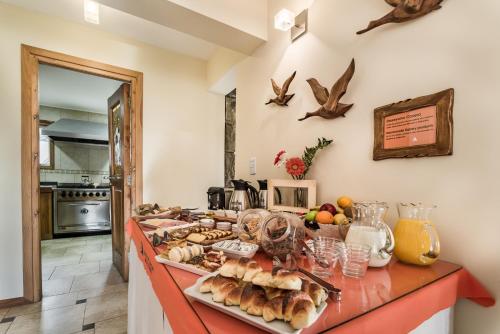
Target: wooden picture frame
(419, 127)
(310, 185)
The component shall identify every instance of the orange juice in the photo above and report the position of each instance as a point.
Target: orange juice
(416, 241)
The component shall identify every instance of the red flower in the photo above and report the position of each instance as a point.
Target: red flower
(295, 166)
(278, 160)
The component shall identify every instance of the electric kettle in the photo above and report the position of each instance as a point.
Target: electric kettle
(244, 196)
(263, 194)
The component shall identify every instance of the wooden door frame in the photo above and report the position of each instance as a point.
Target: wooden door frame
(31, 57)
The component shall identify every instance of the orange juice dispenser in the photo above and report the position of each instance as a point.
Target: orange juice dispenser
(417, 241)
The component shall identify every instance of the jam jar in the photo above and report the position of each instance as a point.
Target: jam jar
(282, 234)
(250, 223)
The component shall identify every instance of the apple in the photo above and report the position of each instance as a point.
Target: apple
(329, 207)
(311, 215)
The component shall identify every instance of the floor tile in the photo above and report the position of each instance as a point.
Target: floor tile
(65, 243)
(105, 307)
(51, 252)
(85, 249)
(122, 287)
(75, 270)
(105, 265)
(96, 257)
(3, 312)
(56, 286)
(96, 281)
(47, 271)
(60, 260)
(57, 321)
(116, 325)
(4, 328)
(47, 303)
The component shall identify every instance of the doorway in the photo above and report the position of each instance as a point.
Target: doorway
(124, 114)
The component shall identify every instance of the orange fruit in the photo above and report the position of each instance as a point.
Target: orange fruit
(344, 202)
(324, 217)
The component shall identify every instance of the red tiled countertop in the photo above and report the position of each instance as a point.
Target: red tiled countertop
(393, 299)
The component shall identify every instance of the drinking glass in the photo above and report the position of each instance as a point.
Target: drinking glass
(356, 260)
(325, 251)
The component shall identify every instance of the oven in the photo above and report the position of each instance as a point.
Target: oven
(81, 210)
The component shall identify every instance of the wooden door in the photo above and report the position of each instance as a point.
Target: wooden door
(46, 214)
(119, 165)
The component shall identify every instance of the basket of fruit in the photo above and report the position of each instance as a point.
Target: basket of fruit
(329, 220)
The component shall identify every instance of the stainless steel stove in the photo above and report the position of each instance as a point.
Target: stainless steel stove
(81, 208)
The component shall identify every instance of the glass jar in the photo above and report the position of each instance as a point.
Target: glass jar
(282, 234)
(417, 241)
(369, 228)
(250, 223)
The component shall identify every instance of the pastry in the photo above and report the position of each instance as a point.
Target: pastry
(242, 267)
(263, 278)
(315, 291)
(253, 299)
(206, 286)
(175, 254)
(273, 309)
(303, 314)
(229, 268)
(252, 270)
(287, 280)
(221, 286)
(196, 237)
(290, 300)
(234, 296)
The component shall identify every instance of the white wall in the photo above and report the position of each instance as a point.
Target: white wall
(248, 16)
(457, 46)
(183, 123)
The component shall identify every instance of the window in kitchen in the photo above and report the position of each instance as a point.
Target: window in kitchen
(229, 138)
(46, 148)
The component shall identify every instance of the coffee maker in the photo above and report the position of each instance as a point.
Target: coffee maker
(216, 198)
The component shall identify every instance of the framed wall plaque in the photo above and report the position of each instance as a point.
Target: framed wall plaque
(419, 127)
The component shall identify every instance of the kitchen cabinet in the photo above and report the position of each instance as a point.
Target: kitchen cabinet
(46, 213)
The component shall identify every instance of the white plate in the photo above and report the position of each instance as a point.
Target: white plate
(275, 326)
(183, 266)
(231, 253)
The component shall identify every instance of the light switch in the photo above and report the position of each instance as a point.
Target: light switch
(253, 166)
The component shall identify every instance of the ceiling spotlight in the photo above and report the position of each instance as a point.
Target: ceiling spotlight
(91, 11)
(284, 20)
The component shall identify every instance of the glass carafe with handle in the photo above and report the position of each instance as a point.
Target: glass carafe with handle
(417, 241)
(368, 228)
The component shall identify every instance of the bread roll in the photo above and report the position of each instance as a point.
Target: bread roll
(273, 292)
(291, 299)
(273, 309)
(242, 267)
(256, 306)
(175, 254)
(206, 286)
(234, 296)
(219, 282)
(315, 291)
(287, 280)
(303, 314)
(251, 292)
(229, 268)
(252, 270)
(263, 278)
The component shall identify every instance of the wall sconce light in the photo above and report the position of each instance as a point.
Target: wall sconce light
(286, 20)
(91, 11)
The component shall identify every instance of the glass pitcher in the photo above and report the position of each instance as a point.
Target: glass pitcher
(417, 241)
(368, 227)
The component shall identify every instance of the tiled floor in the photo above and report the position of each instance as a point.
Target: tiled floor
(83, 292)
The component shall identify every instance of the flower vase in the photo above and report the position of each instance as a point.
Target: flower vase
(300, 197)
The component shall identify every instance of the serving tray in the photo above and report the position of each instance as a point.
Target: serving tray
(275, 326)
(183, 266)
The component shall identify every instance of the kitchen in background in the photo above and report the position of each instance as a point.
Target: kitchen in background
(74, 162)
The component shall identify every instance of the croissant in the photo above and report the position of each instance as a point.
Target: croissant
(295, 307)
(283, 279)
(253, 298)
(315, 291)
(221, 286)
